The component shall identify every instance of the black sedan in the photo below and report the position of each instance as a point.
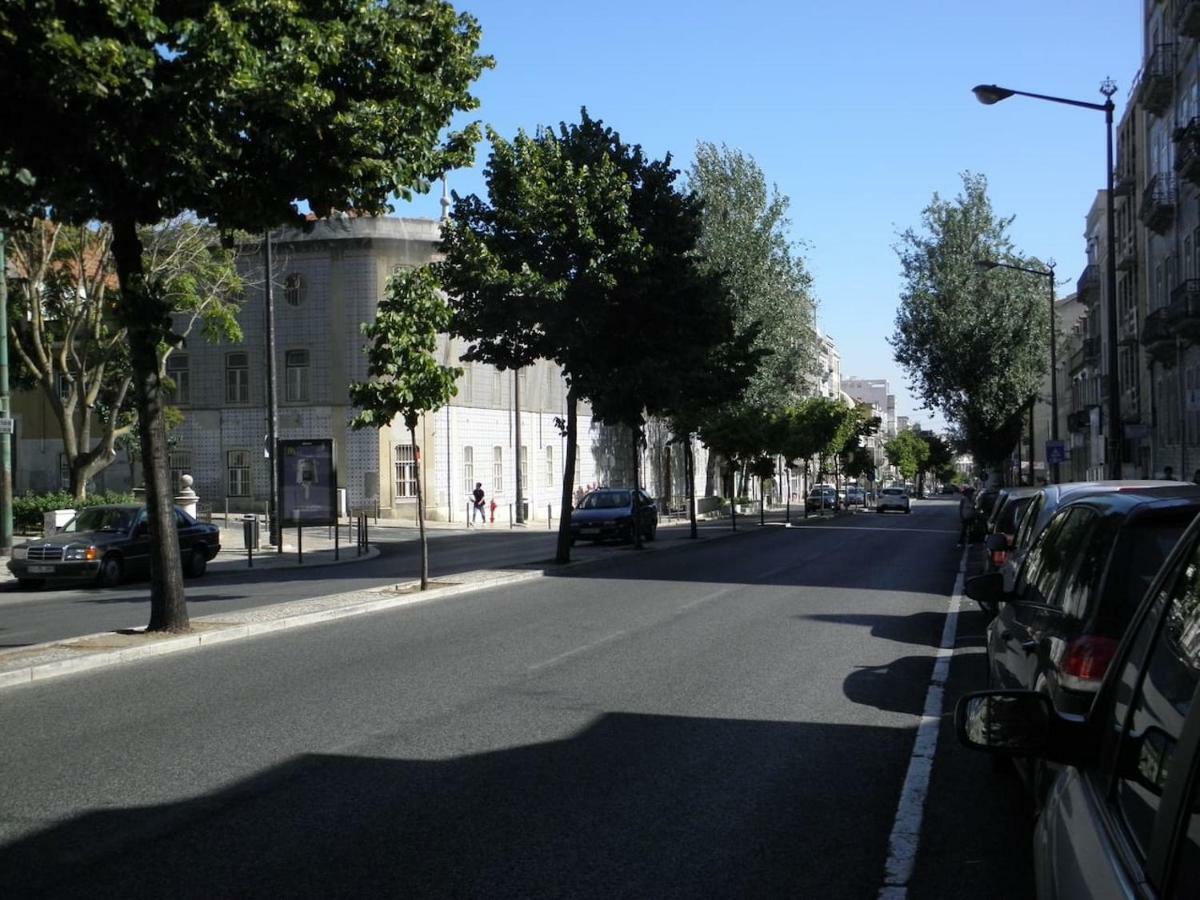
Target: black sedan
(607, 514)
(105, 544)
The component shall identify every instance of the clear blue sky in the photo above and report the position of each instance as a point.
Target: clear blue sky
(857, 111)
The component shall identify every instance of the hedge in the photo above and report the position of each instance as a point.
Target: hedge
(29, 508)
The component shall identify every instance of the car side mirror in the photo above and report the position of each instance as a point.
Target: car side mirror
(988, 590)
(1014, 723)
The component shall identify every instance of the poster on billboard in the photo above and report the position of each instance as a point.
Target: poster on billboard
(307, 475)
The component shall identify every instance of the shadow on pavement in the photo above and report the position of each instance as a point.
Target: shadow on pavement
(631, 806)
(922, 628)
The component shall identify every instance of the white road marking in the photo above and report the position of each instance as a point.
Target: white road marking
(584, 649)
(906, 829)
(877, 528)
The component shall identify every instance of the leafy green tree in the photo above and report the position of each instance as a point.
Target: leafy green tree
(975, 344)
(745, 236)
(908, 452)
(406, 379)
(135, 111)
(68, 344)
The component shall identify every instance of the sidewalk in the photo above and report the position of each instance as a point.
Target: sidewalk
(27, 665)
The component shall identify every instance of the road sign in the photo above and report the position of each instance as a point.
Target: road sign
(1056, 452)
(6, 426)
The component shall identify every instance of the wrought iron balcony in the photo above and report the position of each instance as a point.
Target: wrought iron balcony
(1091, 349)
(1089, 282)
(1155, 86)
(1158, 204)
(1187, 17)
(1124, 181)
(1158, 337)
(1183, 312)
(1187, 151)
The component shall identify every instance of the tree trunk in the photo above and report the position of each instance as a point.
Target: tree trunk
(733, 495)
(637, 500)
(787, 508)
(563, 552)
(690, 468)
(412, 436)
(148, 321)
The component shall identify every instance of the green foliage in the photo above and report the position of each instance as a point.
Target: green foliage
(909, 452)
(975, 343)
(406, 379)
(745, 239)
(29, 508)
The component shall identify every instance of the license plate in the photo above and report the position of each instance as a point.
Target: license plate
(41, 570)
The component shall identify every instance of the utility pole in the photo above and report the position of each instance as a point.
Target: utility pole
(520, 512)
(6, 484)
(272, 397)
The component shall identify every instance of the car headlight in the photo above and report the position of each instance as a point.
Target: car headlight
(20, 552)
(76, 552)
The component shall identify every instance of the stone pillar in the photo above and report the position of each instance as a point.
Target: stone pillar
(187, 499)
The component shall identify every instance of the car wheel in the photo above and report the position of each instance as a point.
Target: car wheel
(29, 584)
(907, 510)
(110, 571)
(652, 531)
(197, 564)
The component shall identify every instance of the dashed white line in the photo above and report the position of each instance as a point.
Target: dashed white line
(906, 829)
(584, 649)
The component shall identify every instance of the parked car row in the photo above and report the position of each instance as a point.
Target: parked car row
(1093, 661)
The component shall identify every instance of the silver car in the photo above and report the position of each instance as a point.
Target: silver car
(895, 498)
(1122, 819)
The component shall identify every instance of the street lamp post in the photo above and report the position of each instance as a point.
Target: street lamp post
(1048, 274)
(988, 94)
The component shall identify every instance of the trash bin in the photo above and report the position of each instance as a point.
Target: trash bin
(250, 532)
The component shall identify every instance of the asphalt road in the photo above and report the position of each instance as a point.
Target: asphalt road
(729, 720)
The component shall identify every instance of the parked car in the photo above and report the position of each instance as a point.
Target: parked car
(108, 543)
(1003, 523)
(607, 514)
(821, 497)
(1122, 819)
(985, 501)
(1047, 501)
(893, 498)
(855, 496)
(949, 488)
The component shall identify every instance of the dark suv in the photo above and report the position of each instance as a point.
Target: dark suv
(1122, 819)
(1077, 591)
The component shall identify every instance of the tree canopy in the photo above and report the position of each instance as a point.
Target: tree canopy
(135, 111)
(974, 343)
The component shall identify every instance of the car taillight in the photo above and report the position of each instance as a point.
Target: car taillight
(998, 557)
(1085, 662)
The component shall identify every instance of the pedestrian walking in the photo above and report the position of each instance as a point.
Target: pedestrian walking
(966, 515)
(479, 507)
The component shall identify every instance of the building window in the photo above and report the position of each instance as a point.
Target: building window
(469, 468)
(180, 462)
(550, 467)
(293, 289)
(237, 378)
(497, 470)
(296, 366)
(237, 481)
(177, 371)
(406, 471)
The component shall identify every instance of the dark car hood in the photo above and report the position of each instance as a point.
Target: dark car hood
(596, 516)
(63, 538)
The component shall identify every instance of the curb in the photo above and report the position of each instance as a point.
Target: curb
(225, 628)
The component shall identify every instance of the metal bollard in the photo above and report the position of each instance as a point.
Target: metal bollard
(337, 535)
(299, 544)
(549, 512)
(510, 516)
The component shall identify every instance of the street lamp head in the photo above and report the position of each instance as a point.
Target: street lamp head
(987, 94)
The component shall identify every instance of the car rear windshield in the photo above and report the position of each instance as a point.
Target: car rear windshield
(606, 500)
(1010, 516)
(1141, 549)
(893, 492)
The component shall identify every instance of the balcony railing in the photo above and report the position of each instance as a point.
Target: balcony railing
(1091, 349)
(1187, 17)
(1158, 335)
(1158, 204)
(1089, 282)
(1124, 181)
(1187, 151)
(1156, 82)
